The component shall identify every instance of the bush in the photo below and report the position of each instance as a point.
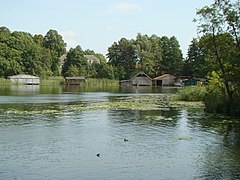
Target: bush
(218, 102)
(192, 93)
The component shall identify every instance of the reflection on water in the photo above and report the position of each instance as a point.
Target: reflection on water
(42, 137)
(25, 89)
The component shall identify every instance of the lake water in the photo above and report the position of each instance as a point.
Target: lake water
(44, 135)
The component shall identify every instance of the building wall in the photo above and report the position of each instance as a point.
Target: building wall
(24, 79)
(142, 81)
(168, 81)
(165, 80)
(126, 83)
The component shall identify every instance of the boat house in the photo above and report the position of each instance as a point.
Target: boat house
(74, 80)
(140, 79)
(24, 79)
(164, 80)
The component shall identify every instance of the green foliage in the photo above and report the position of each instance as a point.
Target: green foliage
(52, 80)
(172, 56)
(195, 64)
(5, 81)
(123, 58)
(101, 69)
(219, 24)
(152, 55)
(76, 64)
(54, 42)
(192, 93)
(217, 102)
(20, 52)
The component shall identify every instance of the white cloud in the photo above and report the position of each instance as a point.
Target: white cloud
(70, 38)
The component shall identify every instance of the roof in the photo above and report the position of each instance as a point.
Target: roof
(141, 73)
(92, 58)
(63, 58)
(79, 78)
(23, 76)
(162, 76)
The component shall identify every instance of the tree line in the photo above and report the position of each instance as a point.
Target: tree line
(20, 52)
(152, 54)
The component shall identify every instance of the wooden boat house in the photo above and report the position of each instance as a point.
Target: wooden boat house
(24, 79)
(164, 80)
(74, 80)
(140, 79)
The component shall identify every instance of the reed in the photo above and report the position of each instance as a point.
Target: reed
(5, 81)
(101, 82)
(53, 80)
(192, 93)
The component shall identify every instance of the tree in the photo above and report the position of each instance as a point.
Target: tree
(195, 64)
(157, 52)
(55, 43)
(172, 56)
(122, 56)
(146, 53)
(100, 69)
(75, 60)
(215, 22)
(18, 49)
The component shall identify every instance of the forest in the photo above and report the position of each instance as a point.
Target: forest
(214, 54)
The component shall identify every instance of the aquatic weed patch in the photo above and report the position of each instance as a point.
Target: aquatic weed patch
(132, 102)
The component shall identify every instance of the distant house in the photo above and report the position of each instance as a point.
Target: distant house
(92, 59)
(24, 79)
(62, 60)
(164, 80)
(140, 79)
(74, 80)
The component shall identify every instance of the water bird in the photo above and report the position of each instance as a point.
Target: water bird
(125, 139)
(98, 154)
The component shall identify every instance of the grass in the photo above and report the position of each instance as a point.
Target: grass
(59, 80)
(101, 82)
(53, 80)
(5, 81)
(192, 93)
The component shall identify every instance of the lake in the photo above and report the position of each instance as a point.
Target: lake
(78, 133)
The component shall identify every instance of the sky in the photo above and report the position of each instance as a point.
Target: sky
(97, 24)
